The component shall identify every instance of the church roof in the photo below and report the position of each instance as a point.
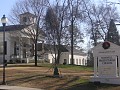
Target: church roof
(63, 48)
(75, 51)
(18, 27)
(48, 47)
(28, 13)
(13, 27)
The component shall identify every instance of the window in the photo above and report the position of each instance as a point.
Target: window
(83, 63)
(3, 48)
(24, 45)
(65, 61)
(24, 19)
(24, 53)
(77, 61)
(15, 51)
(80, 61)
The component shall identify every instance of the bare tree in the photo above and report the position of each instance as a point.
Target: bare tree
(75, 16)
(60, 18)
(52, 27)
(98, 18)
(55, 24)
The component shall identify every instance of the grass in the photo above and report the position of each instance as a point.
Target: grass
(41, 77)
(47, 65)
(72, 67)
(28, 75)
(79, 81)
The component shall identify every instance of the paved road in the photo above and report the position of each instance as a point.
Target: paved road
(5, 87)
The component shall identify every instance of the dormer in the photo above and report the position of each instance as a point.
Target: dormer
(27, 18)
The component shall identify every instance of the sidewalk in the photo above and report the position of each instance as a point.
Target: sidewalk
(5, 87)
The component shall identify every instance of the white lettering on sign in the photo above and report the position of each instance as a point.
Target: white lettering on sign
(107, 65)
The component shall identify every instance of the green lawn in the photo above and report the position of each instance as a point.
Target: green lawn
(73, 77)
(72, 67)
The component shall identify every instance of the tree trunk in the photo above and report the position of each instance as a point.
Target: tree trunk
(58, 57)
(35, 52)
(36, 39)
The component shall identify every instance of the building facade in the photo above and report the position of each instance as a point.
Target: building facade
(80, 58)
(19, 41)
(20, 46)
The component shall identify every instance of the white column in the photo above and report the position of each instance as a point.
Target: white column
(27, 60)
(75, 61)
(95, 66)
(78, 61)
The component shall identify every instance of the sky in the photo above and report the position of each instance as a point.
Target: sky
(5, 7)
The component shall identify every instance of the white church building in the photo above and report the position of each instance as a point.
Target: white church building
(18, 39)
(20, 46)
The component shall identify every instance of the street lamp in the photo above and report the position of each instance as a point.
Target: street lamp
(4, 21)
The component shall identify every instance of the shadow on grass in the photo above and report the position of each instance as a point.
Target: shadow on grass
(25, 79)
(90, 86)
(61, 86)
(59, 83)
(84, 86)
(67, 86)
(55, 84)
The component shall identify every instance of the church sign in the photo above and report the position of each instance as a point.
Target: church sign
(106, 63)
(107, 66)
